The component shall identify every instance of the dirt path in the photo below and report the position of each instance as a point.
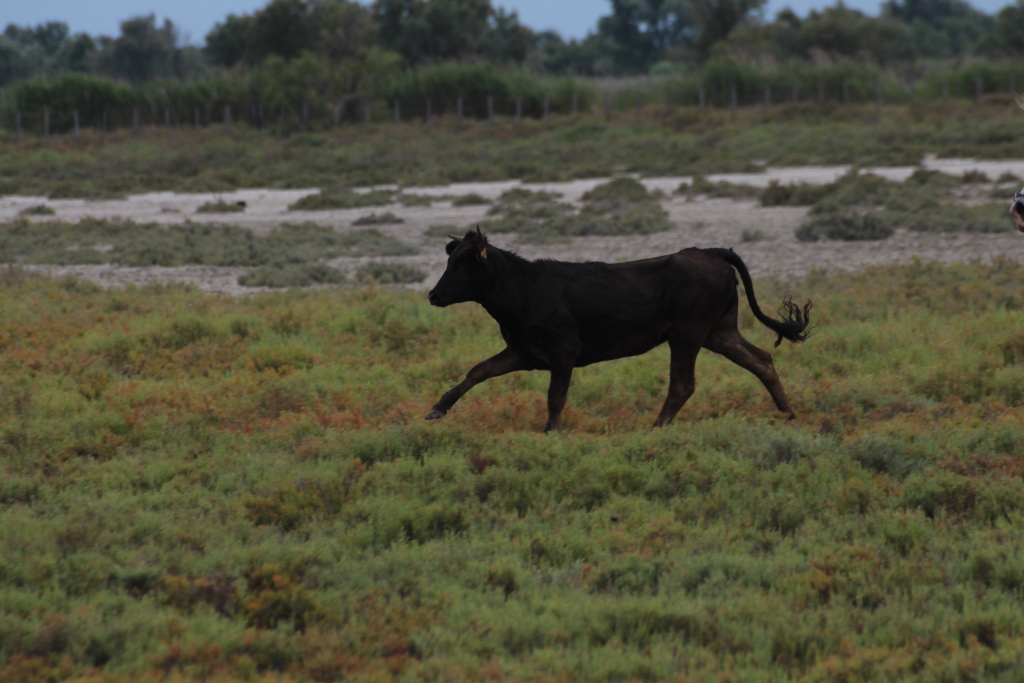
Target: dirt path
(699, 222)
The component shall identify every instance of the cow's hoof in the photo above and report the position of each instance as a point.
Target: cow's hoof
(434, 415)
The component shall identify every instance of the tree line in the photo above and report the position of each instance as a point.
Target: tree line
(345, 42)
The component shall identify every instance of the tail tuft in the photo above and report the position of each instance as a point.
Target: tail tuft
(795, 323)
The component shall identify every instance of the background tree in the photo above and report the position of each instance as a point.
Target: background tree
(226, 43)
(639, 33)
(717, 18)
(425, 31)
(940, 28)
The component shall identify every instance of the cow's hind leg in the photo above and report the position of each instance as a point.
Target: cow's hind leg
(681, 382)
(501, 364)
(558, 391)
(731, 344)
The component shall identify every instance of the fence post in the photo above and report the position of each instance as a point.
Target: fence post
(490, 107)
(575, 103)
(767, 94)
(46, 124)
(607, 105)
(547, 105)
(910, 92)
(733, 99)
(519, 108)
(977, 89)
(821, 91)
(878, 93)
(458, 106)
(337, 113)
(428, 111)
(846, 92)
(701, 99)
(796, 93)
(78, 137)
(227, 119)
(135, 121)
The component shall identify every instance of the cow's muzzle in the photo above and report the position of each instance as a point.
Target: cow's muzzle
(434, 299)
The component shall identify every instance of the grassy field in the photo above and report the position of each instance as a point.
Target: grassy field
(206, 488)
(687, 141)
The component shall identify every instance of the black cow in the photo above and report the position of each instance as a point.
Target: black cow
(558, 316)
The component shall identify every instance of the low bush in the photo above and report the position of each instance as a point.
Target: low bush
(342, 199)
(221, 206)
(718, 189)
(844, 226)
(37, 210)
(389, 273)
(800, 194)
(292, 276)
(619, 207)
(471, 199)
(444, 230)
(849, 208)
(408, 199)
(387, 218)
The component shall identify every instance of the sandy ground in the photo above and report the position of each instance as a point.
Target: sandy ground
(699, 222)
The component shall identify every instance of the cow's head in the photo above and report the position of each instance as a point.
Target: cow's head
(466, 276)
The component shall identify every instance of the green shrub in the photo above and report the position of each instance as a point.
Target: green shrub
(389, 273)
(847, 227)
(718, 189)
(220, 206)
(342, 199)
(292, 276)
(619, 207)
(974, 177)
(37, 210)
(415, 199)
(383, 219)
(444, 230)
(471, 199)
(800, 194)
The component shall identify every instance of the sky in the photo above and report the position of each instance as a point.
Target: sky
(571, 18)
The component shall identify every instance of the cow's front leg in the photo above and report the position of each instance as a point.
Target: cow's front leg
(558, 390)
(505, 362)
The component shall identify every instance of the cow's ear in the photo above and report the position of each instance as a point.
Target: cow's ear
(450, 247)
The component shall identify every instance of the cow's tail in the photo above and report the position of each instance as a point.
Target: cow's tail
(795, 322)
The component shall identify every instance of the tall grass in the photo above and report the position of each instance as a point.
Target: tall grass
(202, 488)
